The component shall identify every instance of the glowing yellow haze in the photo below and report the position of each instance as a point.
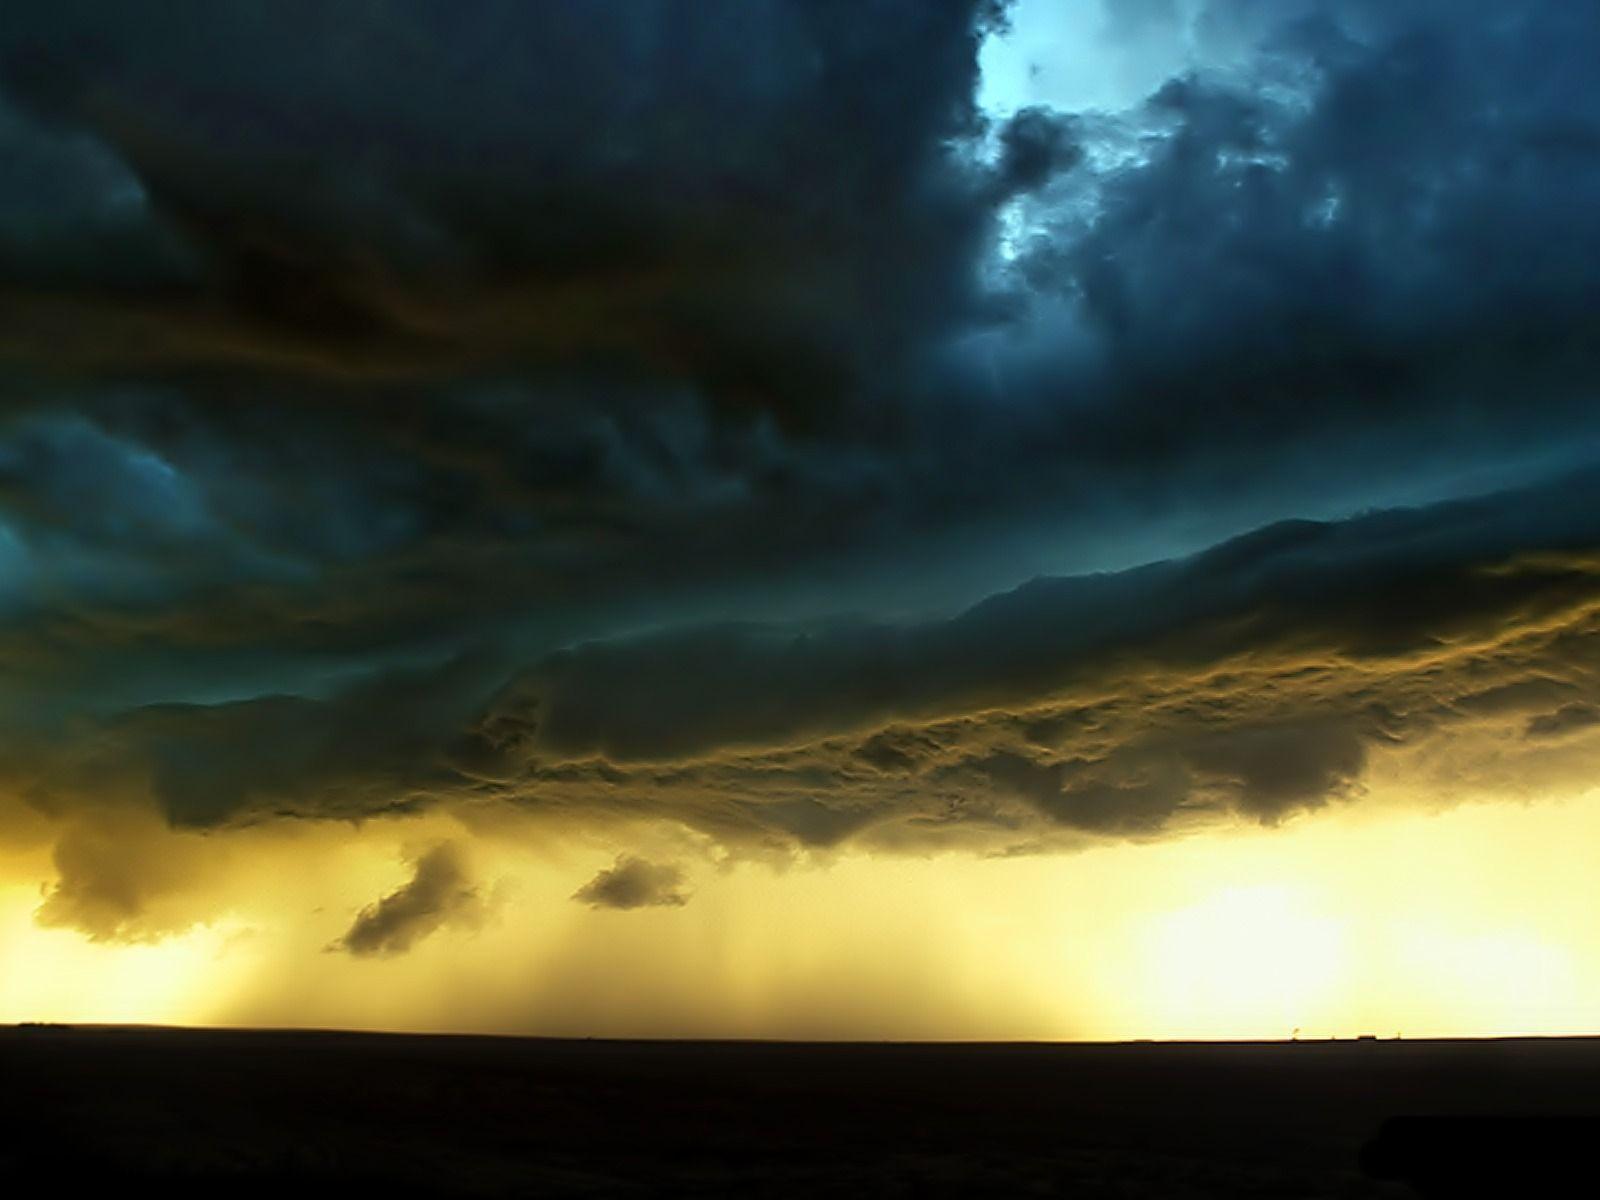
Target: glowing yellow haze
(1480, 920)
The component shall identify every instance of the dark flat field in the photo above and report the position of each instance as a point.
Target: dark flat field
(254, 1113)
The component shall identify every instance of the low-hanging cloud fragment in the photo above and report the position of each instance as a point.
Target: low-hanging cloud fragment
(635, 883)
(123, 876)
(440, 893)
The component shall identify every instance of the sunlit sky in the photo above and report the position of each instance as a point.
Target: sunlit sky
(1472, 921)
(1059, 520)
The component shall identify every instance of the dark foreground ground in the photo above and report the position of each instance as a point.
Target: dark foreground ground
(86, 1111)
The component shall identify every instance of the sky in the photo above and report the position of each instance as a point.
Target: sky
(801, 518)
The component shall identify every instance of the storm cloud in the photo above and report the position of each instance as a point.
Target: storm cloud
(712, 413)
(1255, 678)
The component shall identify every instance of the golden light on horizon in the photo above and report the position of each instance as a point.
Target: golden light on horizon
(1241, 960)
(1479, 920)
(58, 975)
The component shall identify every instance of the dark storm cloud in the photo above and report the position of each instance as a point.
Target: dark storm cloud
(1256, 678)
(595, 236)
(408, 404)
(439, 893)
(1382, 586)
(1372, 230)
(613, 241)
(375, 746)
(744, 193)
(635, 883)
